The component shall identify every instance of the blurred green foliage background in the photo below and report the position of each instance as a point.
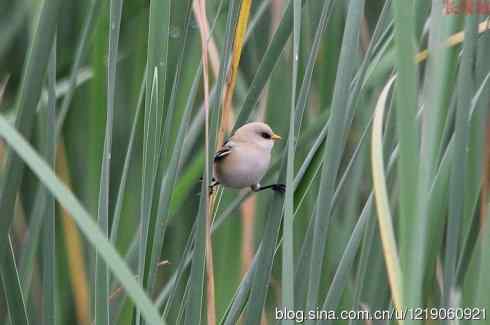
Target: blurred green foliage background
(109, 95)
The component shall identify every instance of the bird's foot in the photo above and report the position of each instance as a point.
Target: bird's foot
(281, 188)
(212, 186)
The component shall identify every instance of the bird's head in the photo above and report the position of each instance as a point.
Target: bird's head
(257, 133)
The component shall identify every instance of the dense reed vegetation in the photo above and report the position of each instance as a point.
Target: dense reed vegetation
(111, 111)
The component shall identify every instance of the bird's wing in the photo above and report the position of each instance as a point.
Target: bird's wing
(223, 151)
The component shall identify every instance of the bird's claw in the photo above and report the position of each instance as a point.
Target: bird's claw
(212, 186)
(281, 188)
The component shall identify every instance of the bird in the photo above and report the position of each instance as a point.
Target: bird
(244, 158)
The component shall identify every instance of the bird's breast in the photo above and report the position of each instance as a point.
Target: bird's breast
(242, 168)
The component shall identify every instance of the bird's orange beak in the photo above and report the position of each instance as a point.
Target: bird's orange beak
(275, 137)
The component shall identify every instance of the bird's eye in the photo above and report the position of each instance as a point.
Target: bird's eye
(266, 135)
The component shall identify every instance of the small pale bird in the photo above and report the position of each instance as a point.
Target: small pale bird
(244, 158)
